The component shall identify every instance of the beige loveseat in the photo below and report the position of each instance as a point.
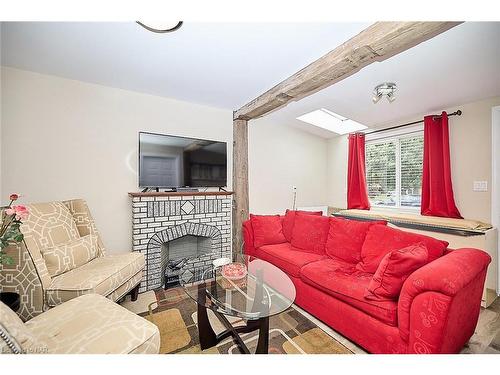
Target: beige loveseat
(89, 324)
(63, 257)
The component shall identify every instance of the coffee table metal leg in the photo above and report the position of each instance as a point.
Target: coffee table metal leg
(206, 333)
(263, 343)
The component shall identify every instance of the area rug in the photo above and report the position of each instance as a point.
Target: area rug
(289, 332)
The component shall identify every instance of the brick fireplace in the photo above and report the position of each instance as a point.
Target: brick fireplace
(174, 229)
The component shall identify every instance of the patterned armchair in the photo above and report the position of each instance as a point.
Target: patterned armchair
(63, 257)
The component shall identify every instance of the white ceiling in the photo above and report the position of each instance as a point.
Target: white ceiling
(227, 64)
(456, 67)
(218, 64)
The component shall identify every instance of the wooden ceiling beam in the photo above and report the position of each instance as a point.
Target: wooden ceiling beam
(376, 43)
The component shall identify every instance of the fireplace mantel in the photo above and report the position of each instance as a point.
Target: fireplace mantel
(177, 193)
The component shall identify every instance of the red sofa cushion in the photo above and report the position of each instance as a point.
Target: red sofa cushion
(267, 230)
(381, 240)
(310, 233)
(341, 280)
(285, 257)
(346, 237)
(289, 221)
(394, 269)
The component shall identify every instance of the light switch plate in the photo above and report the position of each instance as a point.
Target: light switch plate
(480, 186)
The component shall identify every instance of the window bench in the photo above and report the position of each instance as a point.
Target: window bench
(458, 227)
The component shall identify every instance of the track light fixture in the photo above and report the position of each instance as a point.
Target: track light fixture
(387, 89)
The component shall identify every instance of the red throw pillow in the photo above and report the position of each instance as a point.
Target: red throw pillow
(289, 221)
(394, 269)
(267, 230)
(346, 237)
(310, 232)
(381, 240)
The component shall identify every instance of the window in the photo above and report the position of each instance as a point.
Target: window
(394, 170)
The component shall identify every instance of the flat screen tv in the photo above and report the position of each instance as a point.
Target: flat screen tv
(167, 161)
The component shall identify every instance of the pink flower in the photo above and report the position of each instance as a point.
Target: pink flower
(10, 211)
(22, 212)
(14, 197)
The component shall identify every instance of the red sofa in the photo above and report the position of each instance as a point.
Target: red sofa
(438, 305)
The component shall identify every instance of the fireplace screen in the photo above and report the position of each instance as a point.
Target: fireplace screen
(180, 252)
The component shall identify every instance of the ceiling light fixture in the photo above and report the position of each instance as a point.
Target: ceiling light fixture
(161, 27)
(387, 89)
(323, 118)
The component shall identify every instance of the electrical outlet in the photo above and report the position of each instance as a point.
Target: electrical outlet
(480, 186)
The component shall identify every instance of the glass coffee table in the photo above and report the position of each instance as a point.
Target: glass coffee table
(258, 292)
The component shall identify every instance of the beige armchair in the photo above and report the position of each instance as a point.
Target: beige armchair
(63, 257)
(89, 324)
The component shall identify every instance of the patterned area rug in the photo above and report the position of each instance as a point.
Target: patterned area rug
(289, 332)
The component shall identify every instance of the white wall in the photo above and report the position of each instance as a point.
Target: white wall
(495, 171)
(471, 159)
(281, 157)
(66, 139)
(338, 148)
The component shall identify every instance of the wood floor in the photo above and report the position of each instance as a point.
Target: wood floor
(486, 339)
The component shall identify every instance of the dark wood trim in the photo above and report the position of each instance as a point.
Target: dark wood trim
(177, 193)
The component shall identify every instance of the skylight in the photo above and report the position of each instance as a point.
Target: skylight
(331, 121)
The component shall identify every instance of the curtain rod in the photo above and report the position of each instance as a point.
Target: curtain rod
(456, 113)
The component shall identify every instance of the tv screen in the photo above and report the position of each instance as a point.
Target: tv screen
(167, 161)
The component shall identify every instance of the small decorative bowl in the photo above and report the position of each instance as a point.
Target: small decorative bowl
(234, 271)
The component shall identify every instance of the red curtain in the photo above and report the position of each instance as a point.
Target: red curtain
(437, 191)
(357, 194)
